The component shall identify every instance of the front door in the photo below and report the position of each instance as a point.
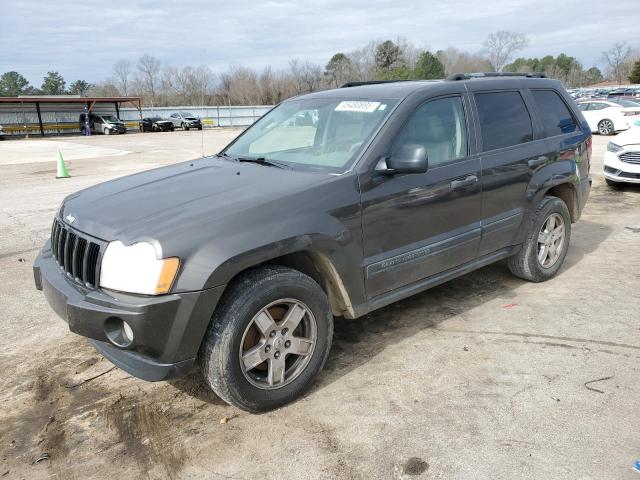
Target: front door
(418, 225)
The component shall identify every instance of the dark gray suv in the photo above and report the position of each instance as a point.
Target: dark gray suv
(331, 205)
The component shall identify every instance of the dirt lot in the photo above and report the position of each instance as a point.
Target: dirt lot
(486, 377)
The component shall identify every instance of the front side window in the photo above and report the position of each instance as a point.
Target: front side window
(504, 120)
(556, 116)
(439, 126)
(317, 133)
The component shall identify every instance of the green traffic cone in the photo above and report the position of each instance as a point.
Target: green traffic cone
(62, 168)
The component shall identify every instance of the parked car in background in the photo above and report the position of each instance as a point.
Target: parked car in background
(106, 124)
(156, 124)
(607, 117)
(328, 201)
(622, 158)
(624, 92)
(185, 120)
(2, 133)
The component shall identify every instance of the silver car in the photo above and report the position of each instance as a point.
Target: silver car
(185, 120)
(2, 133)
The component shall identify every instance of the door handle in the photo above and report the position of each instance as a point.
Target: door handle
(462, 183)
(536, 162)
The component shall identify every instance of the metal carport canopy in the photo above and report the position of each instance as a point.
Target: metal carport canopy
(89, 101)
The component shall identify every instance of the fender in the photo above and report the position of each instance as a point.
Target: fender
(543, 180)
(223, 257)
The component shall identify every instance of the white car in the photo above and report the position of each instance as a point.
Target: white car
(2, 134)
(607, 117)
(622, 159)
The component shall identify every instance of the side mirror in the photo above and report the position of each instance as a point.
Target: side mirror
(410, 158)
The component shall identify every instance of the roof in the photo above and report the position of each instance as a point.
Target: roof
(66, 99)
(403, 88)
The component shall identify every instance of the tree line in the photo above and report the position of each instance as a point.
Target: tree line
(162, 85)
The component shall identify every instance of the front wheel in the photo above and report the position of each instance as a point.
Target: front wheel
(268, 339)
(106, 131)
(185, 126)
(605, 127)
(547, 242)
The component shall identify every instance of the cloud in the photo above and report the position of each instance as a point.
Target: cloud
(83, 40)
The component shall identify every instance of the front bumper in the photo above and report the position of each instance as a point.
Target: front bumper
(618, 171)
(168, 329)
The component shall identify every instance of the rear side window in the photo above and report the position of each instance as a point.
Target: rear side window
(504, 119)
(555, 115)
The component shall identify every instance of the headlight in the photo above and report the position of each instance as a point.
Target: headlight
(135, 269)
(612, 147)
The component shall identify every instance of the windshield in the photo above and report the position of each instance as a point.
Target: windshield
(323, 133)
(626, 103)
(187, 115)
(154, 119)
(109, 118)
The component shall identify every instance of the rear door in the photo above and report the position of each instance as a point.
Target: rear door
(513, 147)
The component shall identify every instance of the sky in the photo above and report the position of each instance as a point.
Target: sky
(82, 40)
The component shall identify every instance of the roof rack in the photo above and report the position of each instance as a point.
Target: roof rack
(468, 76)
(369, 82)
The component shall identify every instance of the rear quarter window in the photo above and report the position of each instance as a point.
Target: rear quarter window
(504, 119)
(555, 114)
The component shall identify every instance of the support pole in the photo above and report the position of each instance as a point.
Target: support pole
(117, 110)
(40, 118)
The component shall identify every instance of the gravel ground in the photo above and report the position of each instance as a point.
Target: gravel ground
(485, 377)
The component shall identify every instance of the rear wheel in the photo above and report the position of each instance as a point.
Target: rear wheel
(547, 242)
(268, 339)
(605, 127)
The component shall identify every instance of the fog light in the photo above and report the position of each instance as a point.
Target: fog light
(118, 332)
(128, 333)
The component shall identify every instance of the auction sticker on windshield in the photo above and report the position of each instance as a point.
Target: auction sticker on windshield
(357, 106)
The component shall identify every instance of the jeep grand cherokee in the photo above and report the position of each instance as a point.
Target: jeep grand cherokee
(334, 203)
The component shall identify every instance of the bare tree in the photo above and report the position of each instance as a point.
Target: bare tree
(121, 74)
(149, 73)
(500, 47)
(616, 58)
(456, 61)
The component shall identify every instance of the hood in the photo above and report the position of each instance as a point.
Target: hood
(159, 202)
(628, 137)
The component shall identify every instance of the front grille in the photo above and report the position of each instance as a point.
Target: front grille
(76, 255)
(630, 175)
(631, 157)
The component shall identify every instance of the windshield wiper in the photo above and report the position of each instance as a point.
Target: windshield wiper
(224, 155)
(263, 161)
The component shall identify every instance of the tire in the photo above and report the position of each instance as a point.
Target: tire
(106, 131)
(605, 127)
(612, 183)
(526, 263)
(233, 330)
(199, 128)
(185, 126)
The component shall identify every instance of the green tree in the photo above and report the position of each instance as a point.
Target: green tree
(635, 73)
(53, 84)
(428, 67)
(80, 87)
(12, 84)
(337, 70)
(593, 75)
(388, 56)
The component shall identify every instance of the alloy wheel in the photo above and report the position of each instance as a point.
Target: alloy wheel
(278, 344)
(605, 127)
(551, 240)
